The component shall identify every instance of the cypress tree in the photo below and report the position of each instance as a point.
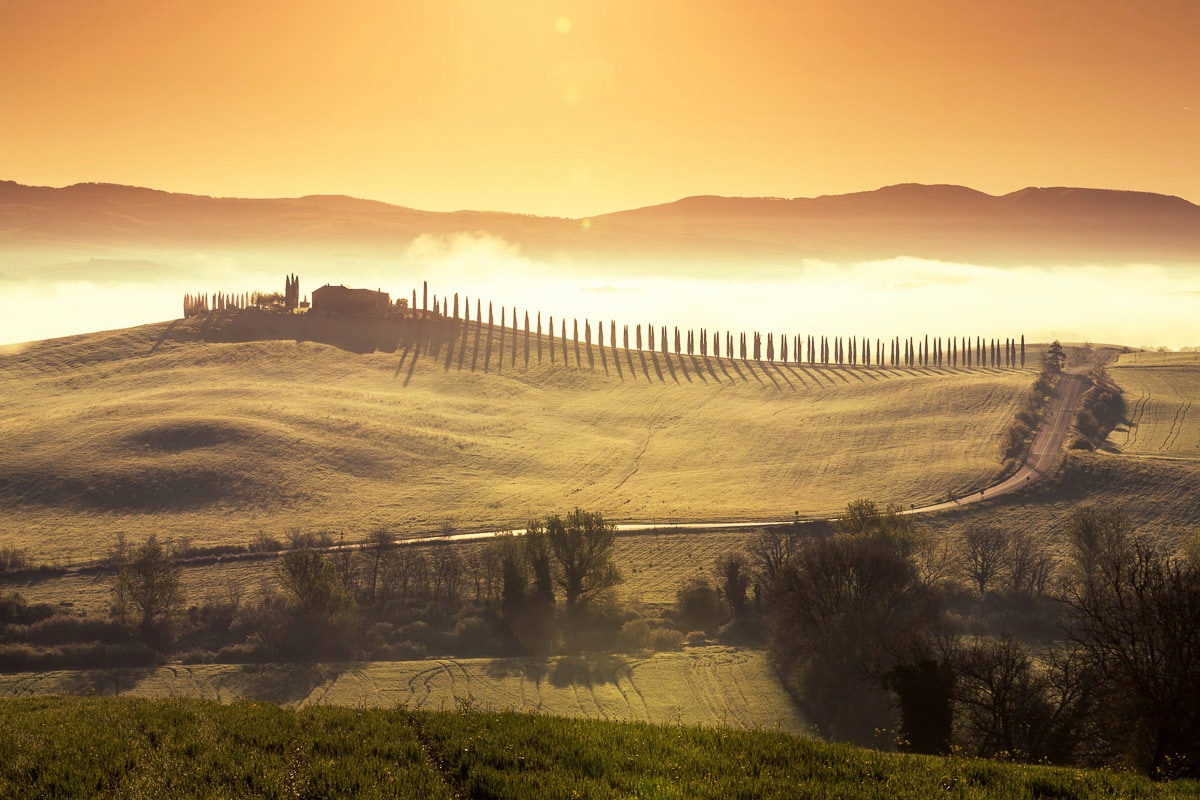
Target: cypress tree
(678, 342)
(564, 341)
(638, 331)
(527, 337)
(425, 296)
(551, 337)
(783, 349)
(625, 336)
(513, 359)
(456, 305)
(1022, 351)
(650, 338)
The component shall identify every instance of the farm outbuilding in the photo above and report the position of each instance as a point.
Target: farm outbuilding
(350, 302)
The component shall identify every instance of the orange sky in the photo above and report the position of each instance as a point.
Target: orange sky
(577, 107)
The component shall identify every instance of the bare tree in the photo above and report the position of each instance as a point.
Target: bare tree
(148, 586)
(983, 551)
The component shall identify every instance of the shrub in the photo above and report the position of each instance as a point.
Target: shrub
(695, 639)
(666, 639)
(635, 636)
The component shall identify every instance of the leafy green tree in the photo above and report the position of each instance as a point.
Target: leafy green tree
(582, 546)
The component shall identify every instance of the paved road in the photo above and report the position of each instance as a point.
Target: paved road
(1047, 443)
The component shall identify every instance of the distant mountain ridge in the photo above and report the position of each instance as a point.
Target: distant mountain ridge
(945, 222)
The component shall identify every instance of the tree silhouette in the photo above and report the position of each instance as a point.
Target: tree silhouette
(1055, 358)
(148, 584)
(582, 545)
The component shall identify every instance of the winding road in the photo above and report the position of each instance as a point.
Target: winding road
(1047, 443)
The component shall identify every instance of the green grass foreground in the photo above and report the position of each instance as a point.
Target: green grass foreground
(123, 747)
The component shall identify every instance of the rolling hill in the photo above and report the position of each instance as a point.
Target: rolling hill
(214, 428)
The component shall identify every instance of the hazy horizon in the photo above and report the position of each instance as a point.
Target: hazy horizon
(892, 297)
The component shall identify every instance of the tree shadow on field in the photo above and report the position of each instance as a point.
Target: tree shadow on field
(586, 670)
(166, 333)
(778, 369)
(750, 368)
(277, 683)
(657, 367)
(102, 682)
(795, 374)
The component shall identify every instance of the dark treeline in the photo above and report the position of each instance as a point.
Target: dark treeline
(991, 643)
(551, 590)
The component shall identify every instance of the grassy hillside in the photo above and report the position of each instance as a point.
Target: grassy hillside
(721, 686)
(1159, 390)
(213, 429)
(122, 747)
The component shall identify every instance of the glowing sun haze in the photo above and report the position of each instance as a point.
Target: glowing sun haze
(580, 107)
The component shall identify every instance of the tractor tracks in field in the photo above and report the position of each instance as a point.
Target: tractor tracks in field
(1135, 419)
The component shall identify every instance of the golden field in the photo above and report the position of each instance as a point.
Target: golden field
(729, 687)
(212, 429)
(1159, 389)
